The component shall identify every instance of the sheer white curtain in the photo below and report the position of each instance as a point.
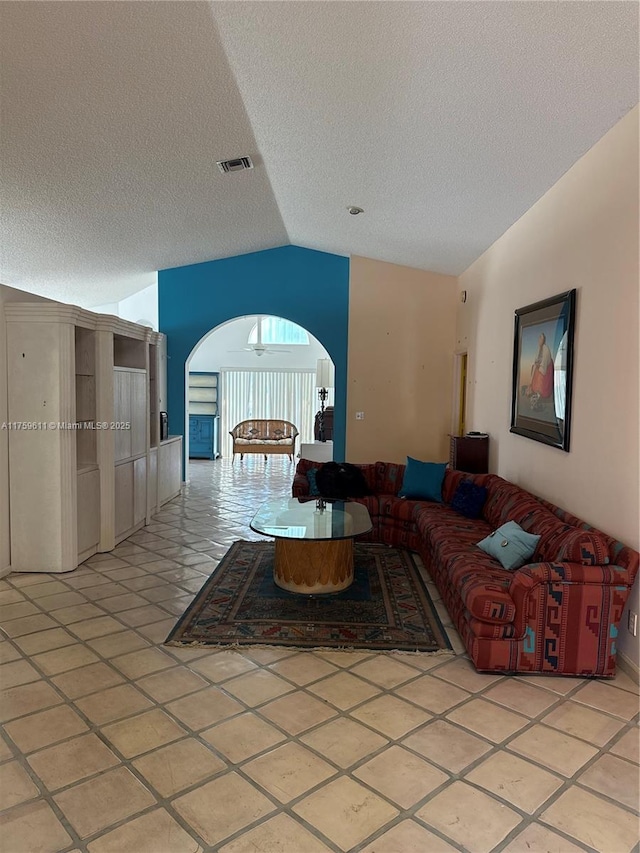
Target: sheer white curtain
(275, 393)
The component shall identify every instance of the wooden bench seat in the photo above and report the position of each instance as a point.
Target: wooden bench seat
(265, 436)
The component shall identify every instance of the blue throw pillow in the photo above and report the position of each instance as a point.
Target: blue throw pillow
(422, 481)
(313, 486)
(468, 499)
(511, 545)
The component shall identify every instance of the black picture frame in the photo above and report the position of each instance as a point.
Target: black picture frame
(543, 370)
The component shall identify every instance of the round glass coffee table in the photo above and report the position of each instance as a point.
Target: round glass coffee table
(313, 542)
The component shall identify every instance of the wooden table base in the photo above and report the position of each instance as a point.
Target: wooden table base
(313, 567)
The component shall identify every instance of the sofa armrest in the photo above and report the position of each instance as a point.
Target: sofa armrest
(300, 486)
(536, 573)
(568, 616)
(555, 583)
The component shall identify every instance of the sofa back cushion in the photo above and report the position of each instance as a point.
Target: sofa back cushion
(619, 553)
(582, 546)
(369, 471)
(305, 464)
(314, 491)
(575, 545)
(469, 499)
(453, 478)
(341, 480)
(508, 502)
(560, 540)
(389, 476)
(505, 501)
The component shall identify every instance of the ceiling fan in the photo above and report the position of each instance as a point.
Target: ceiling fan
(259, 348)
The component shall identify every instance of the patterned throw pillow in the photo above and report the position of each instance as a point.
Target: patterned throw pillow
(469, 499)
(313, 486)
(511, 545)
(582, 546)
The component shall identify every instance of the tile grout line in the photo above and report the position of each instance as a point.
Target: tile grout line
(255, 710)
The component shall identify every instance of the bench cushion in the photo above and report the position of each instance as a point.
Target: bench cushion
(263, 441)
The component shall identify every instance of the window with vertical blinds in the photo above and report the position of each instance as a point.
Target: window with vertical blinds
(275, 393)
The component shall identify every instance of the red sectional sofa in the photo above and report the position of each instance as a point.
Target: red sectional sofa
(558, 615)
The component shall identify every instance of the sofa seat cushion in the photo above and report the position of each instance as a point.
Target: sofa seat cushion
(477, 578)
(371, 503)
(398, 534)
(264, 441)
(438, 523)
(399, 508)
(483, 588)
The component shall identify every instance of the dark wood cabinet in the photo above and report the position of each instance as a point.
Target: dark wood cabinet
(470, 453)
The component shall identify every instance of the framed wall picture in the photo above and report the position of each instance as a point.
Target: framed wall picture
(542, 370)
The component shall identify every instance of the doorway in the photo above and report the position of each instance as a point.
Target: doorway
(263, 367)
(460, 394)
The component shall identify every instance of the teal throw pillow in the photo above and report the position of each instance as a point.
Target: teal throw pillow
(314, 491)
(511, 545)
(422, 481)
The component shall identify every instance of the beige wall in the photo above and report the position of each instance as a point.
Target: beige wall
(7, 294)
(583, 233)
(401, 344)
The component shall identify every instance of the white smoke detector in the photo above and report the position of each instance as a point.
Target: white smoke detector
(237, 165)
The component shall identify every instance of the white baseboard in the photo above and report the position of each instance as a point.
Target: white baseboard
(629, 667)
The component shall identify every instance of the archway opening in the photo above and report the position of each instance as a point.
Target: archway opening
(254, 366)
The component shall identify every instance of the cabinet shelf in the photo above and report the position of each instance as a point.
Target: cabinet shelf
(203, 395)
(85, 370)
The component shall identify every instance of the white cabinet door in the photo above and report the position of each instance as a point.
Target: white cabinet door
(88, 511)
(124, 497)
(138, 413)
(122, 413)
(169, 470)
(139, 490)
(152, 490)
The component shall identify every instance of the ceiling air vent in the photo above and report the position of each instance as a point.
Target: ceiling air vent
(237, 165)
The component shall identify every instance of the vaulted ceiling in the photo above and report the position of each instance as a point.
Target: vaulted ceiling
(445, 121)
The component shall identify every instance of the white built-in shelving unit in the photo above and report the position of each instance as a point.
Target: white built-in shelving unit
(86, 464)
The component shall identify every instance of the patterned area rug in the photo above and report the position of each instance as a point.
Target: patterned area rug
(387, 606)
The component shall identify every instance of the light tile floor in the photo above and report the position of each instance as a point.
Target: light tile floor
(114, 743)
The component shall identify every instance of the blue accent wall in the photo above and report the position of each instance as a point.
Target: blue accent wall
(308, 287)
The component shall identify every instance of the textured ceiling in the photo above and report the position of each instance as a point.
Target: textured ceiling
(445, 121)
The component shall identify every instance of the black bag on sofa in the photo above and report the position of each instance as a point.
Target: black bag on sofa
(341, 481)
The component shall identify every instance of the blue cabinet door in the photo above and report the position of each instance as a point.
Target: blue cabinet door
(202, 432)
